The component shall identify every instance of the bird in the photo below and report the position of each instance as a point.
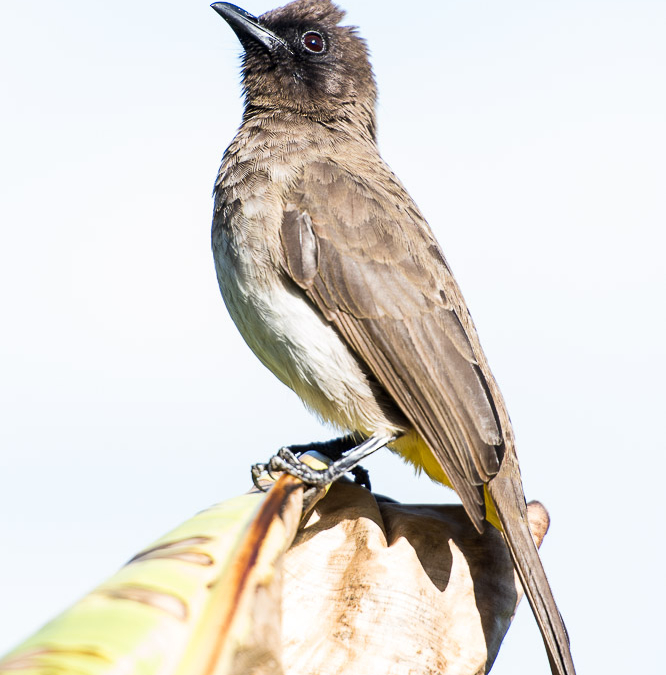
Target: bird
(336, 282)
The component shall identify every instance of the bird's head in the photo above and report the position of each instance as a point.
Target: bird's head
(299, 60)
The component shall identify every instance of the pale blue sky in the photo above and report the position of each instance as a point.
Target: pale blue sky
(535, 148)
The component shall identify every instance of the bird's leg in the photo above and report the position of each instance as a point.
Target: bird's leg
(349, 455)
(348, 459)
(335, 449)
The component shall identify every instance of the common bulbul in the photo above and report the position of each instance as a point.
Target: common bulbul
(337, 283)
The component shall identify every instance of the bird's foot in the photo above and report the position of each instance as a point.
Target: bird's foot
(346, 453)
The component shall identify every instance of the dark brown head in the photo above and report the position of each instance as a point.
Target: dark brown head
(298, 60)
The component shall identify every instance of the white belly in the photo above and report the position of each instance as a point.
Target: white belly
(295, 342)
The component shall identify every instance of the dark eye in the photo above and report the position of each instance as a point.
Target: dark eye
(313, 41)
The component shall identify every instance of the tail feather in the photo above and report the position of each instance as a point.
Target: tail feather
(507, 495)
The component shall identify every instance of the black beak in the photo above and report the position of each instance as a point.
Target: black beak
(247, 27)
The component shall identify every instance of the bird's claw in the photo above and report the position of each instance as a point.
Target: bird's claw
(286, 461)
(257, 471)
(361, 477)
(348, 460)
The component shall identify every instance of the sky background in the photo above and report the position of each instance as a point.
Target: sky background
(533, 137)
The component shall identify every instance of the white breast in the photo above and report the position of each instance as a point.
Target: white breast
(294, 341)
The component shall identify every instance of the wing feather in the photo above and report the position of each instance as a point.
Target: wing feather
(369, 262)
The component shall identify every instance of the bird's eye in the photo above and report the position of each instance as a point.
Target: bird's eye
(313, 42)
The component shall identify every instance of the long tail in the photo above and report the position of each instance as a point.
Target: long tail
(507, 494)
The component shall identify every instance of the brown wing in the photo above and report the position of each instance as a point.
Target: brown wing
(367, 259)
